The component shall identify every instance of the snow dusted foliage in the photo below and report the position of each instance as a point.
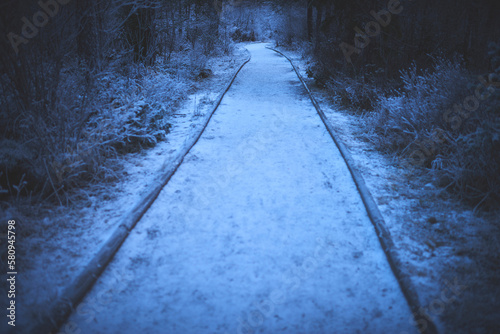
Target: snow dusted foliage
(94, 116)
(264, 21)
(348, 91)
(408, 117)
(104, 85)
(474, 165)
(437, 122)
(134, 110)
(129, 112)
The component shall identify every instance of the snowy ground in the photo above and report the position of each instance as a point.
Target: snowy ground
(260, 230)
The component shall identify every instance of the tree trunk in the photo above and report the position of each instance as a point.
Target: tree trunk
(140, 35)
(319, 19)
(309, 20)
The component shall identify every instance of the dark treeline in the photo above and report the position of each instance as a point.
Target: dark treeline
(394, 34)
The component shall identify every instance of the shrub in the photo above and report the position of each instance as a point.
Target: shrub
(120, 114)
(354, 94)
(409, 118)
(427, 124)
(473, 167)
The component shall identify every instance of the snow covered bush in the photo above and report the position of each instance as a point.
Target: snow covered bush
(136, 110)
(129, 114)
(473, 165)
(407, 119)
(353, 93)
(436, 122)
(90, 118)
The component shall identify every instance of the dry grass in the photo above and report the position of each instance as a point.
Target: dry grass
(432, 125)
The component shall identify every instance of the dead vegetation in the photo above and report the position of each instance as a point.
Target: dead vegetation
(100, 80)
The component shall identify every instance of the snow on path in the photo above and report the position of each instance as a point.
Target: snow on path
(261, 230)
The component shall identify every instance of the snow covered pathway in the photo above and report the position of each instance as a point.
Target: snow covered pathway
(261, 230)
